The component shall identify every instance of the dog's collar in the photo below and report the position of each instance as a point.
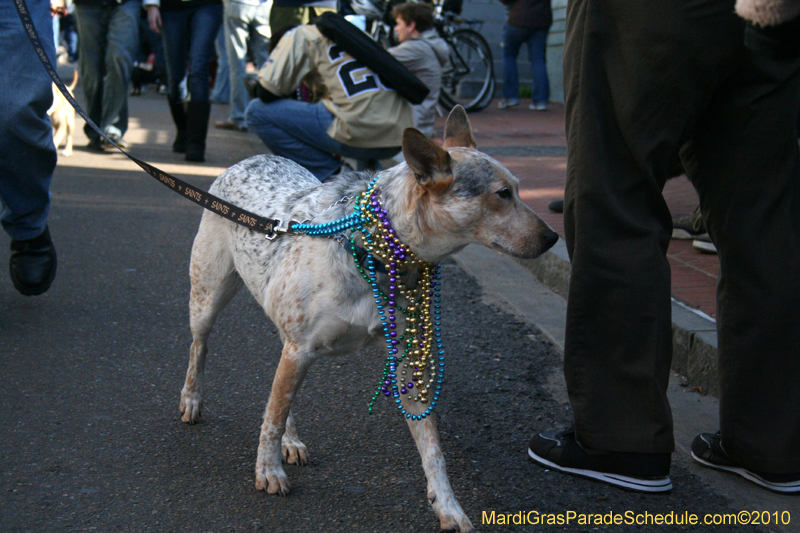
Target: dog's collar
(415, 373)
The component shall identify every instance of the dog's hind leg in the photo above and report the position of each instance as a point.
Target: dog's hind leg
(292, 368)
(440, 493)
(294, 451)
(214, 283)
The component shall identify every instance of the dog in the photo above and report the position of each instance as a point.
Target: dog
(438, 201)
(62, 117)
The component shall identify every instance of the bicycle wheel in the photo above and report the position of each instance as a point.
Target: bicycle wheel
(470, 80)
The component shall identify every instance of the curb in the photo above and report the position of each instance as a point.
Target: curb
(694, 334)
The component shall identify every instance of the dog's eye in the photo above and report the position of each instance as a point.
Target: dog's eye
(504, 193)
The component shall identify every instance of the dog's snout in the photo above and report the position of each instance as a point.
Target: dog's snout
(550, 237)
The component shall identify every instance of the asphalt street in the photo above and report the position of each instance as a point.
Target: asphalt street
(90, 433)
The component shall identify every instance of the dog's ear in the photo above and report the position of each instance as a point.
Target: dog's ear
(429, 163)
(457, 131)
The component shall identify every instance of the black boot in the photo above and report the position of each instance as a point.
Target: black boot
(196, 130)
(178, 110)
(33, 264)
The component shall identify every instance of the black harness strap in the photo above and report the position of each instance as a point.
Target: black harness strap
(268, 226)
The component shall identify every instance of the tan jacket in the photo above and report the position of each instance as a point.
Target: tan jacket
(366, 114)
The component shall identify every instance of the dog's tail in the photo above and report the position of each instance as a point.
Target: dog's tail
(74, 83)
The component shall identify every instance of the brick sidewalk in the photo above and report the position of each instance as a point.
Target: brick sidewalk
(532, 145)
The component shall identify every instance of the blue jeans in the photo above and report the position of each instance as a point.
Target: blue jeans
(298, 131)
(222, 83)
(513, 39)
(27, 154)
(246, 27)
(190, 34)
(108, 38)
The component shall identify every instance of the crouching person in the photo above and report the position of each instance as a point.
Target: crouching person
(357, 117)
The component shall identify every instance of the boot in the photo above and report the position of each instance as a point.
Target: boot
(178, 110)
(196, 130)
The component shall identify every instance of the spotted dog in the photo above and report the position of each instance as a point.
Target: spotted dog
(439, 201)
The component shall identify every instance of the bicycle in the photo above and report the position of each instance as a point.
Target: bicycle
(470, 79)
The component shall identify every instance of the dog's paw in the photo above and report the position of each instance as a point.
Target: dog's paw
(461, 524)
(66, 152)
(191, 406)
(294, 451)
(274, 481)
(451, 516)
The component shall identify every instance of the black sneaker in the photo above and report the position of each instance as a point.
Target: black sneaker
(640, 472)
(708, 451)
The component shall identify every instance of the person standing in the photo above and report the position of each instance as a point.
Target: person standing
(189, 29)
(108, 38)
(246, 28)
(528, 23)
(27, 153)
(645, 84)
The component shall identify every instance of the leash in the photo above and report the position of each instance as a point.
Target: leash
(414, 369)
(271, 227)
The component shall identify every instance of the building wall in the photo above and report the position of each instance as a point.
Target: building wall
(493, 15)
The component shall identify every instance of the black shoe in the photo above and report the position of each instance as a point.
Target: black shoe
(641, 472)
(556, 206)
(33, 264)
(95, 145)
(707, 450)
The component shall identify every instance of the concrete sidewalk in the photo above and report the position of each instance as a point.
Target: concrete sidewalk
(532, 145)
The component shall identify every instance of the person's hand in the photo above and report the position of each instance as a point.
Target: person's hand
(154, 18)
(58, 7)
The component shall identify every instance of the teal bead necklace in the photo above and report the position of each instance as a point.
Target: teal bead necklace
(415, 373)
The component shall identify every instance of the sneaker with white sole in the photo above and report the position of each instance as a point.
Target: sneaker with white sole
(703, 243)
(688, 227)
(503, 104)
(708, 451)
(538, 106)
(640, 472)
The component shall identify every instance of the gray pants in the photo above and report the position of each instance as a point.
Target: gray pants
(108, 38)
(647, 83)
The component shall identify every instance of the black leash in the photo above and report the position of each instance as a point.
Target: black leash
(271, 227)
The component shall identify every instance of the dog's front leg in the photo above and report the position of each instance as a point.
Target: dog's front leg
(292, 368)
(440, 493)
(294, 451)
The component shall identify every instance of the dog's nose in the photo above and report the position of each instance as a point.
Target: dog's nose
(550, 238)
